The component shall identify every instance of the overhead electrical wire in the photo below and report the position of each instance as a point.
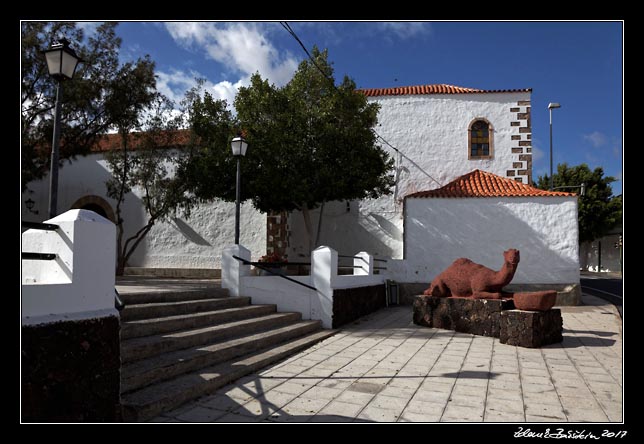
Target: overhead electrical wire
(288, 29)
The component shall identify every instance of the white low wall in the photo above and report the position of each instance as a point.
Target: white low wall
(438, 231)
(289, 296)
(180, 242)
(79, 283)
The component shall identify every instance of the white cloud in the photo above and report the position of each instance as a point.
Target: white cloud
(175, 83)
(405, 30)
(245, 48)
(596, 139)
(130, 52)
(241, 47)
(227, 91)
(89, 28)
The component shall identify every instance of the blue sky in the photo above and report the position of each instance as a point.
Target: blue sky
(578, 64)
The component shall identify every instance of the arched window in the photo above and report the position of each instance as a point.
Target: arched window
(480, 139)
(96, 204)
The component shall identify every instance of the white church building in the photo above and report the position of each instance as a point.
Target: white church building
(435, 133)
(439, 132)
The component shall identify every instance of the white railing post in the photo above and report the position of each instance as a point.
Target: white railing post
(363, 263)
(80, 280)
(324, 272)
(70, 327)
(232, 270)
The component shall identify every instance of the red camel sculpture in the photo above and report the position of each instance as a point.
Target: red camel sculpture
(465, 278)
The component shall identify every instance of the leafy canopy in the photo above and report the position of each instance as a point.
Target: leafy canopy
(598, 209)
(92, 103)
(309, 143)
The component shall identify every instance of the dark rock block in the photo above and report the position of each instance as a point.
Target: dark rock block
(466, 315)
(531, 328)
(351, 303)
(71, 371)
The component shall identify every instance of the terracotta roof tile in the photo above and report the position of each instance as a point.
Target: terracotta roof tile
(432, 89)
(111, 142)
(483, 184)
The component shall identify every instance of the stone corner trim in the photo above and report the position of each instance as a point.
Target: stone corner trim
(522, 135)
(277, 236)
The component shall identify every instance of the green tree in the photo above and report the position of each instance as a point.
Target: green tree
(309, 143)
(104, 95)
(84, 117)
(145, 163)
(209, 170)
(598, 209)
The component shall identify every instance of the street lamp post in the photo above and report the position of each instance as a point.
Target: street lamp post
(582, 188)
(239, 147)
(61, 63)
(551, 106)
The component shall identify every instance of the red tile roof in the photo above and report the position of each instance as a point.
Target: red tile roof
(483, 184)
(111, 142)
(433, 89)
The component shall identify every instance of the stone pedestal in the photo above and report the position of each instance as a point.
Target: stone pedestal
(476, 316)
(531, 328)
(71, 371)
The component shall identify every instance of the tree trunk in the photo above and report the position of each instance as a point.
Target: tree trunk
(120, 265)
(306, 213)
(120, 262)
(317, 236)
(127, 250)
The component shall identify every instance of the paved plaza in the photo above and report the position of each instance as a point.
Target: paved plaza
(383, 368)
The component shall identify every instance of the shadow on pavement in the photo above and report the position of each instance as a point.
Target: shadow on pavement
(471, 374)
(592, 332)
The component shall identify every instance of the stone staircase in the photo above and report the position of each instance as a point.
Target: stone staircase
(181, 345)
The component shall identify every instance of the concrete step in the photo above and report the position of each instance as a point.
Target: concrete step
(145, 347)
(154, 296)
(135, 312)
(169, 365)
(150, 401)
(147, 327)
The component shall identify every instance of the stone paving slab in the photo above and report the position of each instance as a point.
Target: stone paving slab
(383, 368)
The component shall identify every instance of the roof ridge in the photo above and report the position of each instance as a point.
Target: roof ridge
(438, 88)
(480, 183)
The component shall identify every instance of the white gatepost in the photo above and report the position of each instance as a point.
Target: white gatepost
(79, 282)
(363, 264)
(324, 273)
(232, 270)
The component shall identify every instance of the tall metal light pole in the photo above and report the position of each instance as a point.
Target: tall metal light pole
(551, 106)
(239, 147)
(61, 63)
